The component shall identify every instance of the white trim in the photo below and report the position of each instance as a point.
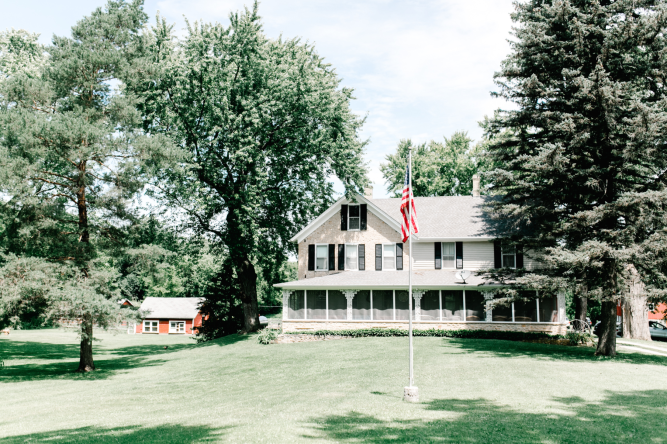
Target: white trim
(335, 208)
(326, 257)
(185, 325)
(457, 239)
(143, 326)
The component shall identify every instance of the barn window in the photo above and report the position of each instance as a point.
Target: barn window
(176, 326)
(151, 326)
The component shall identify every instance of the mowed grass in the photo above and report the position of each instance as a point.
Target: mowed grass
(235, 390)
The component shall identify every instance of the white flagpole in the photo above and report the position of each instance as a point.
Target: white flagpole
(410, 393)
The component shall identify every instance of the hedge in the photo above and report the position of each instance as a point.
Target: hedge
(469, 334)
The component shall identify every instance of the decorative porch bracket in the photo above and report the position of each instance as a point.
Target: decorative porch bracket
(286, 295)
(349, 295)
(489, 311)
(417, 295)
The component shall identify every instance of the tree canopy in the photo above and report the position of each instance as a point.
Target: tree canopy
(262, 125)
(439, 168)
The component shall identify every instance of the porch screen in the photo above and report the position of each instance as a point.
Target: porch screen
(430, 306)
(361, 305)
(383, 305)
(502, 313)
(337, 305)
(402, 305)
(452, 305)
(549, 309)
(475, 306)
(316, 304)
(296, 308)
(526, 311)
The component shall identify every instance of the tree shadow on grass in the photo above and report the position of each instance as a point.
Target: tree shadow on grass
(169, 433)
(513, 349)
(620, 417)
(107, 361)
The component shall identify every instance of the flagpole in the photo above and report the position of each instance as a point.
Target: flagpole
(411, 392)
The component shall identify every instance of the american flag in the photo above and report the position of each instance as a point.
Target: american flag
(408, 200)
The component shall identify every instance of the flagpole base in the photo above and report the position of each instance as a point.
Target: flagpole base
(410, 394)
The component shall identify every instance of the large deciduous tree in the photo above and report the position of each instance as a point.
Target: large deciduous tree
(584, 168)
(440, 168)
(70, 156)
(263, 125)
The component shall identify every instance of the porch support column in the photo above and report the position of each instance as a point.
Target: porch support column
(561, 305)
(349, 295)
(489, 312)
(286, 295)
(417, 294)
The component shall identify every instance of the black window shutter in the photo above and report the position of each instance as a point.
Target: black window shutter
(362, 257)
(341, 256)
(332, 256)
(378, 256)
(438, 255)
(363, 216)
(459, 255)
(497, 254)
(519, 256)
(311, 257)
(343, 218)
(399, 256)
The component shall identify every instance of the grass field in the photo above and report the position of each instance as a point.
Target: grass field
(235, 390)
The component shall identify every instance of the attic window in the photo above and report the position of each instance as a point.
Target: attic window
(353, 218)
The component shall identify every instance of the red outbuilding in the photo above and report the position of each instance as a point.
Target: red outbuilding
(170, 316)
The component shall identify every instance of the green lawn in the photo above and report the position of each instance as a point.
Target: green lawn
(235, 390)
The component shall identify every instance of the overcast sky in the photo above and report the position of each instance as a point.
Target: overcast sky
(420, 69)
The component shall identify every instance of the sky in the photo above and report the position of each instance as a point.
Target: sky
(421, 70)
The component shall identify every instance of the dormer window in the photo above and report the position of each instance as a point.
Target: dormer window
(353, 218)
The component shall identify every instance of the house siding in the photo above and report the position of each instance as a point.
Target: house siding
(424, 255)
(377, 232)
(477, 255)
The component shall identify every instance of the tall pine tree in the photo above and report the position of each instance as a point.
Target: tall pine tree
(71, 157)
(585, 164)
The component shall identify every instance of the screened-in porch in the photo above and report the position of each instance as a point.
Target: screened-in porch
(433, 305)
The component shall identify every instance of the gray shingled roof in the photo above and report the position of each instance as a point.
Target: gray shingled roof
(356, 280)
(170, 308)
(443, 216)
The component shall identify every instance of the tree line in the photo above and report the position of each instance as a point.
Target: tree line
(135, 163)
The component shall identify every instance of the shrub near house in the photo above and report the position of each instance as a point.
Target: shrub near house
(170, 316)
(352, 271)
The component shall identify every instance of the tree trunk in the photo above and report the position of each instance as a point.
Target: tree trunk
(581, 310)
(248, 283)
(86, 363)
(635, 308)
(607, 339)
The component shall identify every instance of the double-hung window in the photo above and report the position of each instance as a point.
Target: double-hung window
(353, 218)
(389, 257)
(509, 256)
(351, 257)
(321, 257)
(176, 326)
(448, 254)
(151, 326)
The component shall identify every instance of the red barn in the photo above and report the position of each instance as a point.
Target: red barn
(170, 316)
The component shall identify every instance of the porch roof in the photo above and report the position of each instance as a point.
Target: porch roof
(356, 280)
